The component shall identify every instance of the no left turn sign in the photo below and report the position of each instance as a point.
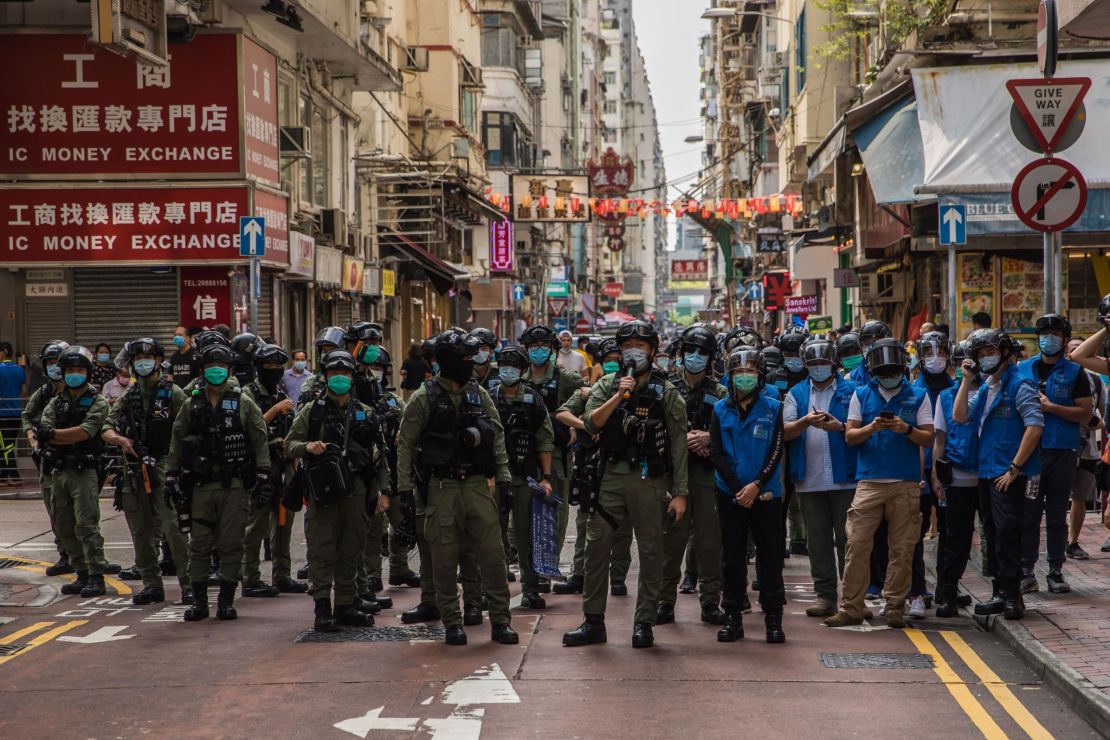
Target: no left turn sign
(1049, 194)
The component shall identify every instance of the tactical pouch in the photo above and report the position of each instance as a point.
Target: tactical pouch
(326, 477)
(437, 445)
(654, 448)
(292, 496)
(519, 448)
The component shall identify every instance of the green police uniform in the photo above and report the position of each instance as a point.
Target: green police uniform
(701, 513)
(271, 521)
(145, 414)
(335, 529)
(556, 386)
(74, 473)
(459, 507)
(221, 447)
(528, 433)
(620, 557)
(29, 419)
(635, 485)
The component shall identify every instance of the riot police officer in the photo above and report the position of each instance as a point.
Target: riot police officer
(485, 371)
(244, 346)
(697, 346)
(528, 442)
(339, 441)
(70, 429)
(29, 422)
(641, 418)
(451, 433)
(314, 386)
(271, 520)
(218, 453)
(141, 424)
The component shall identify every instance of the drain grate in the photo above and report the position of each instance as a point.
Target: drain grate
(374, 634)
(11, 562)
(10, 649)
(876, 660)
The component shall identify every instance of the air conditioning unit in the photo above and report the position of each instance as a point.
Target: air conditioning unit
(525, 41)
(354, 241)
(780, 59)
(460, 147)
(209, 11)
(295, 141)
(333, 225)
(414, 60)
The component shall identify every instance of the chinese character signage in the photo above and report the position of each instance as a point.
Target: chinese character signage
(302, 254)
(352, 274)
(689, 270)
(389, 283)
(501, 246)
(77, 109)
(803, 305)
(79, 226)
(205, 296)
(559, 198)
(275, 209)
(770, 241)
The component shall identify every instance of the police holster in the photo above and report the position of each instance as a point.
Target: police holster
(326, 476)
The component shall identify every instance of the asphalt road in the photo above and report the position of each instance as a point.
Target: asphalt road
(101, 668)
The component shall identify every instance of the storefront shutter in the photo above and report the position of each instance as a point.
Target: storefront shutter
(45, 319)
(118, 304)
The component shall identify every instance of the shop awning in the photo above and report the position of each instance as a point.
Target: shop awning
(831, 147)
(442, 275)
(470, 207)
(890, 145)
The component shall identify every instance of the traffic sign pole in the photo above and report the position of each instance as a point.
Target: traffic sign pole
(953, 303)
(256, 290)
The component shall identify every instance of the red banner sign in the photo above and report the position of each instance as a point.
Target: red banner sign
(74, 108)
(275, 209)
(121, 225)
(260, 115)
(613, 290)
(205, 296)
(501, 246)
(689, 269)
(803, 305)
(775, 287)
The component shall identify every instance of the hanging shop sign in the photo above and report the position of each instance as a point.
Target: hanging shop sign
(549, 198)
(501, 246)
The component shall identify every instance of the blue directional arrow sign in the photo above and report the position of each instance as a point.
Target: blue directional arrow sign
(952, 224)
(518, 292)
(252, 236)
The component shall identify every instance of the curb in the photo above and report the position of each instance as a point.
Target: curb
(1080, 695)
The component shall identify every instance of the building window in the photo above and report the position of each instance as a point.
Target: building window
(468, 107)
(800, 51)
(315, 170)
(610, 106)
(500, 37)
(506, 141)
(344, 180)
(610, 78)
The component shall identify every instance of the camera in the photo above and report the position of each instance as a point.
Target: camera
(470, 438)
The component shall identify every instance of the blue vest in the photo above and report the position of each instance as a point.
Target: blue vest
(888, 454)
(770, 391)
(1003, 428)
(747, 441)
(859, 375)
(843, 456)
(1058, 433)
(922, 385)
(961, 441)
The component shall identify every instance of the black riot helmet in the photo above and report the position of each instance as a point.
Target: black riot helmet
(245, 345)
(607, 347)
(330, 337)
(363, 331)
(52, 349)
(217, 354)
(791, 342)
(742, 336)
(75, 356)
(746, 358)
(848, 345)
(512, 356)
(886, 357)
(1054, 322)
(428, 349)
(982, 338)
(209, 337)
(873, 331)
(638, 330)
(959, 353)
(539, 334)
(374, 355)
(816, 349)
(455, 354)
(772, 357)
(338, 359)
(485, 336)
(270, 353)
(698, 339)
(143, 346)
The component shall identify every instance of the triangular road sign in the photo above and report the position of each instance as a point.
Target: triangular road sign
(1048, 105)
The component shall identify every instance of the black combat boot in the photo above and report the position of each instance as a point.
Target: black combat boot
(225, 601)
(642, 635)
(572, 585)
(289, 586)
(511, 577)
(995, 605)
(544, 586)
(94, 587)
(324, 622)
(504, 634)
(130, 574)
(351, 616)
(773, 622)
(472, 615)
(532, 600)
(712, 614)
(689, 585)
(199, 609)
(664, 613)
(383, 602)
(374, 584)
(76, 586)
(365, 606)
(149, 595)
(61, 567)
(455, 635)
(590, 632)
(733, 629)
(260, 589)
(302, 572)
(412, 580)
(618, 588)
(1013, 605)
(949, 605)
(186, 595)
(422, 612)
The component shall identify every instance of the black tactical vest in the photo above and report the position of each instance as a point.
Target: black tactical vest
(458, 442)
(71, 412)
(223, 439)
(521, 417)
(152, 428)
(637, 431)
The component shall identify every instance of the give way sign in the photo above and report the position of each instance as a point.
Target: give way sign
(1049, 194)
(1048, 106)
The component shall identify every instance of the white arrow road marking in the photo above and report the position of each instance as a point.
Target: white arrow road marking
(372, 720)
(865, 627)
(459, 726)
(484, 686)
(104, 634)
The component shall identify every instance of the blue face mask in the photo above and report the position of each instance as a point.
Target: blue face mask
(695, 362)
(510, 376)
(1050, 344)
(819, 373)
(989, 364)
(178, 341)
(794, 364)
(891, 383)
(300, 365)
(54, 372)
(481, 358)
(144, 368)
(782, 385)
(75, 380)
(103, 357)
(539, 355)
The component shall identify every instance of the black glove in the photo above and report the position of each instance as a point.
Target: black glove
(263, 491)
(406, 529)
(117, 497)
(169, 489)
(504, 491)
(43, 434)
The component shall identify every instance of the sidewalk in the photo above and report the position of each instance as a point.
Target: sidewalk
(1064, 637)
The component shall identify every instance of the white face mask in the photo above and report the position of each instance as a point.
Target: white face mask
(378, 374)
(935, 365)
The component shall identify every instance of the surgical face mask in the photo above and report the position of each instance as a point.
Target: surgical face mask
(216, 375)
(935, 365)
(851, 362)
(611, 367)
(481, 358)
(745, 383)
(539, 355)
(891, 383)
(75, 380)
(820, 373)
(340, 385)
(300, 365)
(638, 359)
(178, 341)
(782, 384)
(143, 368)
(663, 362)
(989, 364)
(54, 372)
(913, 361)
(123, 380)
(510, 376)
(377, 374)
(794, 364)
(1050, 344)
(695, 362)
(103, 357)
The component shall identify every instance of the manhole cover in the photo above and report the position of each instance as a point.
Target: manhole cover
(876, 660)
(374, 634)
(10, 649)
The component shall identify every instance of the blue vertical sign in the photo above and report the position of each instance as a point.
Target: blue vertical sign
(952, 224)
(252, 236)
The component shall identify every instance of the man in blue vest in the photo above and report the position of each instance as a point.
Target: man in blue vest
(1008, 413)
(822, 466)
(955, 480)
(746, 445)
(849, 354)
(890, 421)
(1065, 395)
(871, 332)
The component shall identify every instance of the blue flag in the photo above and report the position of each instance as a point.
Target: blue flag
(545, 532)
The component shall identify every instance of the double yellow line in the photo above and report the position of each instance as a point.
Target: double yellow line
(40, 566)
(41, 639)
(959, 690)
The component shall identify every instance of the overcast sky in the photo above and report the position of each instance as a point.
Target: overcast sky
(668, 34)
